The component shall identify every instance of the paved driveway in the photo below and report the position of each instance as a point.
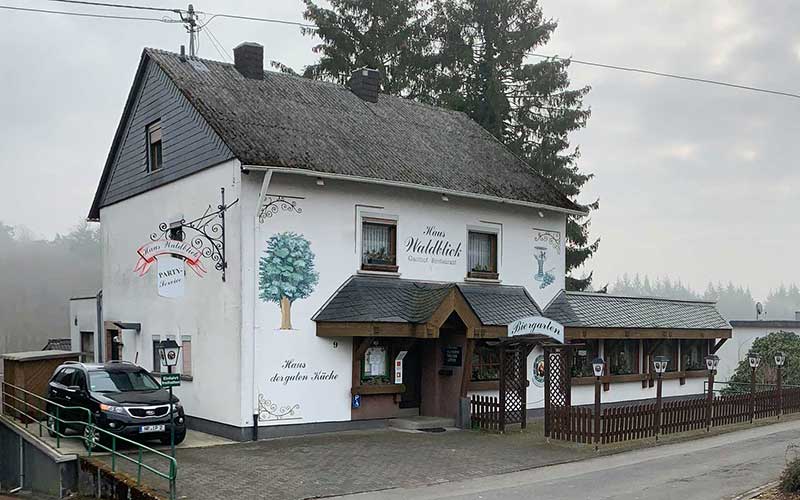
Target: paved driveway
(352, 462)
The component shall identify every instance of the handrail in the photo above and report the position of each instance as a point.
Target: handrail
(91, 433)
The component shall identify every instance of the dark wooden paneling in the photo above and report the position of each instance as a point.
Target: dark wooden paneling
(189, 144)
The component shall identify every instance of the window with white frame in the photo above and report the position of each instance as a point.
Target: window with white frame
(154, 156)
(186, 355)
(482, 255)
(378, 244)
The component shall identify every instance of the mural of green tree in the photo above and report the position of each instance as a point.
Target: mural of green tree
(286, 273)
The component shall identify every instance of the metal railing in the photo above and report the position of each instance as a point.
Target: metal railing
(93, 436)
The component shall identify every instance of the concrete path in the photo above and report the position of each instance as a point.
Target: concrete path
(719, 467)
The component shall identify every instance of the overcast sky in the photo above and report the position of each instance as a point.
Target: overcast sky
(696, 182)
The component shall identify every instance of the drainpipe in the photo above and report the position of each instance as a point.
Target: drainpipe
(21, 466)
(100, 333)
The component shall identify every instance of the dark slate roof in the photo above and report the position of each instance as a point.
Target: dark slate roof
(294, 122)
(58, 345)
(599, 310)
(393, 300)
(499, 304)
(767, 323)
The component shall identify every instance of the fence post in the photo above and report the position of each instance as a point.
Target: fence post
(752, 394)
(596, 412)
(709, 399)
(658, 406)
(780, 393)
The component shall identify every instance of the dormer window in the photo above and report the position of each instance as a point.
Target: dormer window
(154, 157)
(379, 245)
(482, 255)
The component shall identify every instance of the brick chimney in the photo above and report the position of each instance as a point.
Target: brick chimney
(248, 57)
(364, 83)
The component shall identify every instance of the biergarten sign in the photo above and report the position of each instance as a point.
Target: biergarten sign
(537, 325)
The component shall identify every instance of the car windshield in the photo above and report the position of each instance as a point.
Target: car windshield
(122, 381)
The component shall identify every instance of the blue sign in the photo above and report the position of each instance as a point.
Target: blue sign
(356, 401)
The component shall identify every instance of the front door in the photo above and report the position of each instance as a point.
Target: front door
(412, 378)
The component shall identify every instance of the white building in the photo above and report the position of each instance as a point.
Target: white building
(745, 332)
(297, 236)
(83, 328)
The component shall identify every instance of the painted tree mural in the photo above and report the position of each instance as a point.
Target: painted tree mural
(286, 273)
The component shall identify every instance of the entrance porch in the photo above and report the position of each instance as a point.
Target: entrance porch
(414, 342)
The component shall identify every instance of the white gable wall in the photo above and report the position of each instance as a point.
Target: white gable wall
(210, 311)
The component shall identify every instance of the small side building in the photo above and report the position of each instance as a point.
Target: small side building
(83, 328)
(745, 332)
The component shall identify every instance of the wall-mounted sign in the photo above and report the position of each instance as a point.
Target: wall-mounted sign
(356, 401)
(452, 356)
(398, 367)
(150, 252)
(537, 325)
(433, 246)
(171, 277)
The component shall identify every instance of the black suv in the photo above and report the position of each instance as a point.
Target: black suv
(123, 398)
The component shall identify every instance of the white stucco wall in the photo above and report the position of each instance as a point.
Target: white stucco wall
(736, 348)
(83, 318)
(209, 312)
(331, 220)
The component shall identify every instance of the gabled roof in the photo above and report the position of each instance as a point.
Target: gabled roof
(599, 310)
(393, 300)
(58, 345)
(293, 122)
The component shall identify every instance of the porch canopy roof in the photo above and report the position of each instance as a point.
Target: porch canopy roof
(367, 306)
(600, 315)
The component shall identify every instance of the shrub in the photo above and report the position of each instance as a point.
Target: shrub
(790, 479)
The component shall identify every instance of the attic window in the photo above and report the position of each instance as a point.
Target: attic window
(154, 157)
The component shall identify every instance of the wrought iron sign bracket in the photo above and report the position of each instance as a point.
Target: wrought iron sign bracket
(207, 233)
(276, 202)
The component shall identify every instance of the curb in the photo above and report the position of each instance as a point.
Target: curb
(747, 495)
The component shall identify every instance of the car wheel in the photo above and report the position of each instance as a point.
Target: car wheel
(53, 426)
(90, 437)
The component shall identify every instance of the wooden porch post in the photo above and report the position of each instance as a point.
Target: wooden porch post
(547, 407)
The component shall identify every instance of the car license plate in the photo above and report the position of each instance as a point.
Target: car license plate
(153, 428)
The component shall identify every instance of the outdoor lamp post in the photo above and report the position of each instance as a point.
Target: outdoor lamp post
(659, 366)
(780, 360)
(597, 366)
(712, 361)
(168, 351)
(754, 359)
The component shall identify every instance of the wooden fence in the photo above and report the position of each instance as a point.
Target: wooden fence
(637, 421)
(485, 413)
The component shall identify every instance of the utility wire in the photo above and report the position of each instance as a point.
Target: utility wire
(312, 26)
(83, 14)
(261, 19)
(576, 61)
(122, 6)
(667, 75)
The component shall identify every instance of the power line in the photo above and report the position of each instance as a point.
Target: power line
(668, 75)
(123, 6)
(261, 19)
(576, 61)
(84, 14)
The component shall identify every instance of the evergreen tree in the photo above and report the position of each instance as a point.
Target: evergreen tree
(470, 56)
(387, 36)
